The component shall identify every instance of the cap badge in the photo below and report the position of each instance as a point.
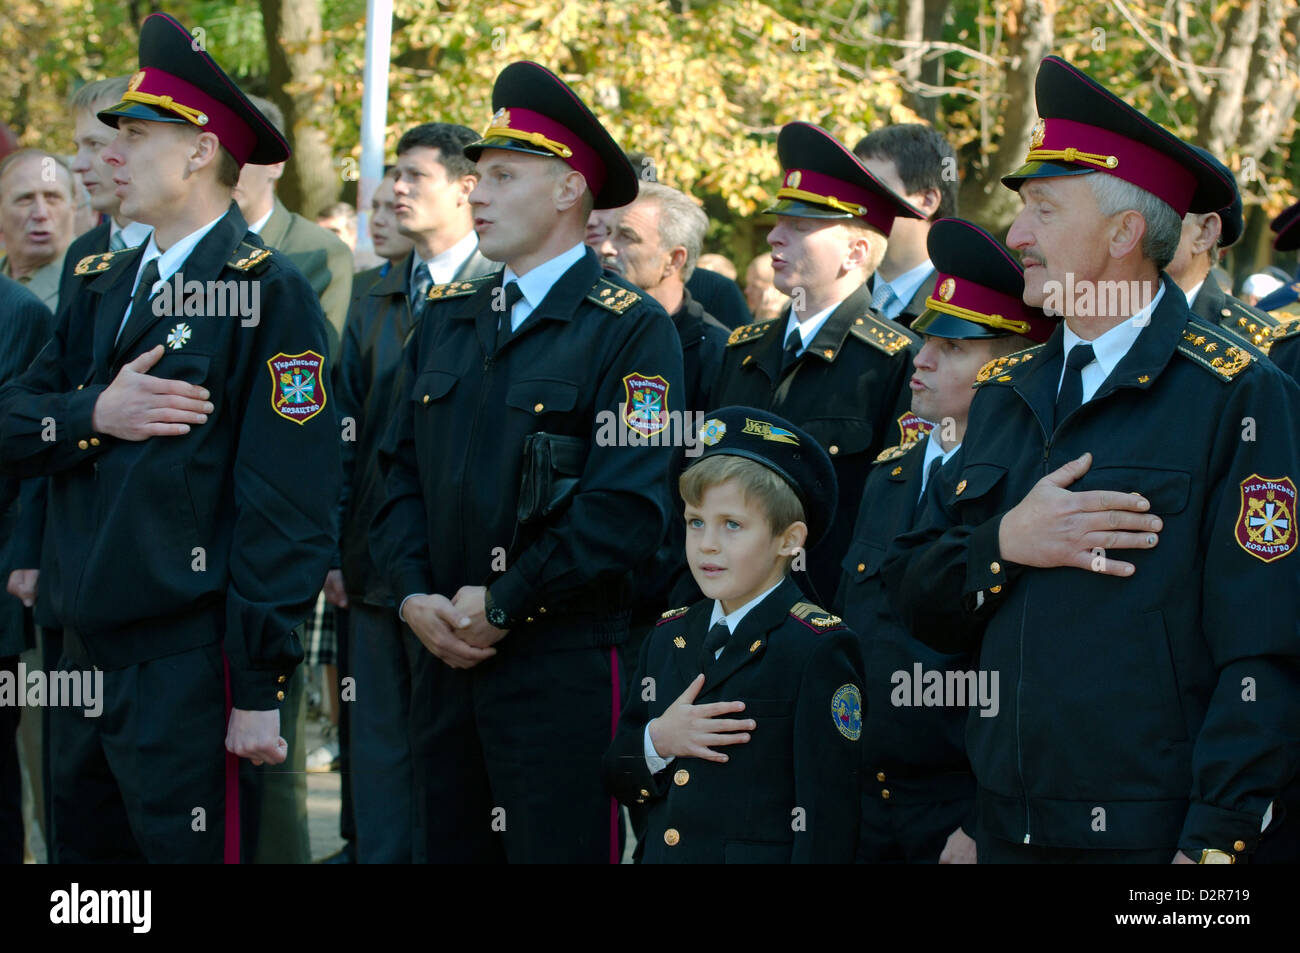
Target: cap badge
(501, 117)
(761, 428)
(714, 430)
(1038, 135)
(793, 179)
(136, 80)
(946, 289)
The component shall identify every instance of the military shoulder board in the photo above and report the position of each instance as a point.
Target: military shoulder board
(893, 453)
(1214, 350)
(672, 614)
(458, 289)
(1258, 327)
(1288, 326)
(747, 332)
(880, 334)
(998, 369)
(94, 264)
(611, 297)
(815, 617)
(249, 258)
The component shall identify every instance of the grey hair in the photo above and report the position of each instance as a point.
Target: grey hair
(1164, 226)
(681, 221)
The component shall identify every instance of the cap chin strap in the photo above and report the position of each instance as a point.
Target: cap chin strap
(979, 317)
(187, 113)
(1072, 155)
(788, 193)
(533, 138)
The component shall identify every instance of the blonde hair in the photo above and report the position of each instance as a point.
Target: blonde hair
(758, 484)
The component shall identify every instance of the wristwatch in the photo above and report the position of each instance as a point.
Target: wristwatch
(495, 615)
(1213, 856)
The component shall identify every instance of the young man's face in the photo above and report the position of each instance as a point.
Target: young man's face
(633, 245)
(388, 242)
(1059, 231)
(732, 551)
(807, 252)
(342, 226)
(36, 211)
(150, 163)
(92, 137)
(945, 369)
(514, 211)
(426, 199)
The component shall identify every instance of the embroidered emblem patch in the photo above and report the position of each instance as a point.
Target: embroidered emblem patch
(297, 387)
(645, 404)
(846, 710)
(179, 336)
(1266, 522)
(764, 429)
(912, 428)
(714, 430)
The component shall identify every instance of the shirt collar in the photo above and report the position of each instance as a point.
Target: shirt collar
(1191, 295)
(170, 261)
(444, 265)
(256, 227)
(1109, 349)
(537, 283)
(733, 620)
(906, 284)
(808, 327)
(133, 233)
(934, 449)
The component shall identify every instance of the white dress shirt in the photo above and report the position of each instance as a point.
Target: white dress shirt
(652, 759)
(256, 227)
(443, 266)
(808, 327)
(169, 262)
(133, 233)
(537, 283)
(1191, 295)
(933, 449)
(1108, 350)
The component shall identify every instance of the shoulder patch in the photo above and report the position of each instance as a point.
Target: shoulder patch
(815, 617)
(846, 711)
(672, 614)
(457, 289)
(1214, 349)
(1288, 326)
(1257, 327)
(893, 453)
(997, 369)
(94, 264)
(881, 334)
(747, 332)
(612, 297)
(249, 257)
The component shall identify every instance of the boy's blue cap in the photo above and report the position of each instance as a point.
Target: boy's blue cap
(1288, 294)
(779, 445)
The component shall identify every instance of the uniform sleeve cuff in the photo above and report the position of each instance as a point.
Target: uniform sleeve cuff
(652, 759)
(511, 595)
(1213, 827)
(259, 690)
(988, 575)
(80, 427)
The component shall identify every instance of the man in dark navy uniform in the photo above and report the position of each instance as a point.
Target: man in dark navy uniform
(918, 801)
(1282, 303)
(181, 411)
(829, 364)
(527, 477)
(1115, 536)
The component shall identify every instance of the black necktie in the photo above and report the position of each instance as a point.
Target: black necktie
(421, 282)
(143, 292)
(935, 464)
(1071, 395)
(715, 640)
(512, 294)
(793, 341)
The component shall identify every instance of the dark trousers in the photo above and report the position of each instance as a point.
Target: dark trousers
(347, 824)
(11, 778)
(145, 780)
(381, 775)
(907, 832)
(51, 652)
(507, 755)
(995, 850)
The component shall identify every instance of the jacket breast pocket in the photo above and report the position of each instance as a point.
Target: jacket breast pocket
(979, 491)
(542, 395)
(862, 561)
(1166, 490)
(183, 366)
(432, 386)
(841, 436)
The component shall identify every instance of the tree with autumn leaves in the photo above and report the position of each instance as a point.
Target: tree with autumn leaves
(703, 87)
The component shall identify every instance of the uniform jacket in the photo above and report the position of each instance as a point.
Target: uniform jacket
(165, 544)
(379, 323)
(93, 242)
(719, 296)
(454, 455)
(322, 258)
(789, 794)
(904, 742)
(1285, 349)
(844, 390)
(1217, 307)
(1126, 694)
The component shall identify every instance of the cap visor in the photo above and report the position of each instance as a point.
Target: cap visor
(474, 149)
(1041, 170)
(128, 110)
(804, 210)
(940, 325)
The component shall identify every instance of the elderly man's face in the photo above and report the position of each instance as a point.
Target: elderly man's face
(1059, 231)
(36, 212)
(634, 244)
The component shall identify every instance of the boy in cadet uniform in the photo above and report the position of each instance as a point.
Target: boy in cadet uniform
(753, 670)
(194, 469)
(918, 799)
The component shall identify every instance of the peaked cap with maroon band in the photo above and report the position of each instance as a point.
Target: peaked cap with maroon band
(977, 288)
(822, 179)
(1083, 127)
(177, 83)
(538, 114)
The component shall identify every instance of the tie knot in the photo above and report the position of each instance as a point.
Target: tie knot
(793, 340)
(513, 294)
(1080, 356)
(717, 637)
(882, 297)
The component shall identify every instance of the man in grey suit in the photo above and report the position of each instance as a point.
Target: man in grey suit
(431, 182)
(36, 220)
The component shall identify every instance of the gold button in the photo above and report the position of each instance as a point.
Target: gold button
(829, 352)
(645, 793)
(885, 794)
(1239, 846)
(542, 609)
(81, 444)
(1226, 312)
(94, 441)
(671, 837)
(280, 680)
(528, 618)
(426, 398)
(862, 567)
(538, 407)
(833, 449)
(896, 471)
(681, 777)
(961, 487)
(82, 386)
(995, 589)
(995, 567)
(279, 696)
(858, 321)
(880, 775)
